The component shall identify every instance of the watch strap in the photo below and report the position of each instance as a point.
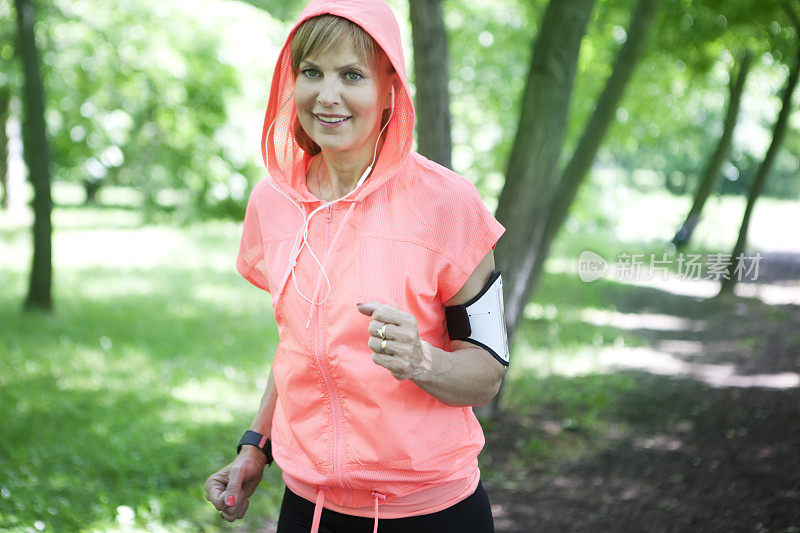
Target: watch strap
(259, 441)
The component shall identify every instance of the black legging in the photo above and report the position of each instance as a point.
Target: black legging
(471, 514)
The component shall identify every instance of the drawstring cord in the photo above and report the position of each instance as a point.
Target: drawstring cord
(377, 496)
(318, 509)
(321, 499)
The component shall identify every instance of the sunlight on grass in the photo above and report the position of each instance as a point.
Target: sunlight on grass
(632, 321)
(716, 375)
(145, 376)
(563, 362)
(644, 222)
(115, 248)
(215, 393)
(120, 285)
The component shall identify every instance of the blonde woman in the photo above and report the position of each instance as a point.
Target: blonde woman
(381, 271)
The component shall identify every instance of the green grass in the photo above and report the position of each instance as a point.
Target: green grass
(139, 384)
(116, 407)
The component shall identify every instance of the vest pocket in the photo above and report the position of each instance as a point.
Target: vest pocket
(396, 423)
(304, 425)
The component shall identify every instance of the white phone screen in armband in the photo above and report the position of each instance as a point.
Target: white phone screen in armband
(481, 320)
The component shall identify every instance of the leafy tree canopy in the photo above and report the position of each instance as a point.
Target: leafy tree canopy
(673, 109)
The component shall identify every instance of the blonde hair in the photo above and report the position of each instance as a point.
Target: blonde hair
(316, 36)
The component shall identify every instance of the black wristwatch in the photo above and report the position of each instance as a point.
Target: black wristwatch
(259, 441)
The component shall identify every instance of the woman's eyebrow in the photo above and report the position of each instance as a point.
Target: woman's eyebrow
(345, 67)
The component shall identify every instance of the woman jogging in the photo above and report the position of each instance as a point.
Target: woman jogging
(381, 271)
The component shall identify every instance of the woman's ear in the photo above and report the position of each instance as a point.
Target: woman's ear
(389, 80)
(389, 101)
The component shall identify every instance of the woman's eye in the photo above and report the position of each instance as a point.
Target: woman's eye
(353, 76)
(310, 73)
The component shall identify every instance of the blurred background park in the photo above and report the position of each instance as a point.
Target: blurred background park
(621, 142)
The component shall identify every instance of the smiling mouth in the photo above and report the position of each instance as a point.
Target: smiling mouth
(331, 121)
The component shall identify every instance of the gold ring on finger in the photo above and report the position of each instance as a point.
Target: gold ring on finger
(382, 331)
(383, 346)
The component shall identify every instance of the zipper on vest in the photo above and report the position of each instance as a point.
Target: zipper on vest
(326, 375)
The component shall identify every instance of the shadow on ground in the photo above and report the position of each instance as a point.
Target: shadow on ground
(707, 442)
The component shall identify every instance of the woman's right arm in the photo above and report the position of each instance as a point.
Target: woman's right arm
(262, 423)
(229, 489)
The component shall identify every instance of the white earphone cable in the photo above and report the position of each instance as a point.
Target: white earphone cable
(302, 234)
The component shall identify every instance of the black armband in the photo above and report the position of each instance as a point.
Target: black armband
(481, 320)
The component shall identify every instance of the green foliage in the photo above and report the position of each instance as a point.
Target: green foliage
(489, 46)
(10, 74)
(118, 406)
(285, 10)
(671, 118)
(154, 96)
(138, 94)
(132, 102)
(672, 113)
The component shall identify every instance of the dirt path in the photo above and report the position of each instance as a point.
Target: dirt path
(708, 442)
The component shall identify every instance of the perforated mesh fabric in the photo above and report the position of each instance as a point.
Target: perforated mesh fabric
(263, 259)
(250, 261)
(446, 217)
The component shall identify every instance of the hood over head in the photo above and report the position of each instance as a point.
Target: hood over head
(279, 147)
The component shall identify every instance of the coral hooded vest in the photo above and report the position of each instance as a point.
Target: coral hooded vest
(409, 237)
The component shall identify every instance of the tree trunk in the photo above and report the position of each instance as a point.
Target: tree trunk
(5, 104)
(578, 167)
(779, 132)
(37, 159)
(430, 76)
(531, 175)
(714, 166)
(90, 187)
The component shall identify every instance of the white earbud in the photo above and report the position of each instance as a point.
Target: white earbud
(375, 152)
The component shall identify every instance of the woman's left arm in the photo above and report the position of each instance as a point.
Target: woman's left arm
(468, 375)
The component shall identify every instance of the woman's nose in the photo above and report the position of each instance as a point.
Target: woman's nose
(328, 93)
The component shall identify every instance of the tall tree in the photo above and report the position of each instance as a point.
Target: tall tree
(37, 159)
(531, 175)
(431, 79)
(5, 101)
(778, 134)
(578, 167)
(715, 162)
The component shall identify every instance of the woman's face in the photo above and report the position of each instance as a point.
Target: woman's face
(339, 99)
